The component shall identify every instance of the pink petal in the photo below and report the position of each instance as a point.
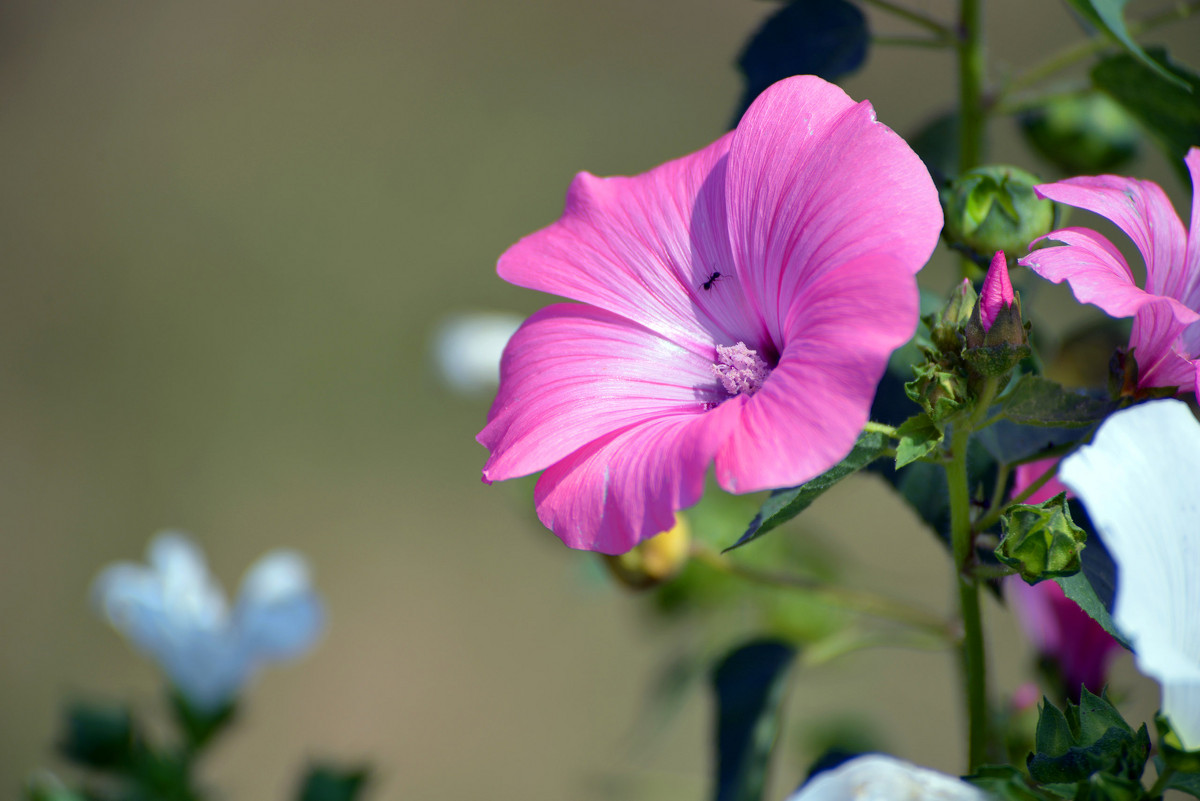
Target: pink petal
(837, 342)
(621, 489)
(1142, 210)
(1155, 344)
(814, 182)
(573, 374)
(643, 248)
(1191, 294)
(997, 291)
(1030, 472)
(1097, 273)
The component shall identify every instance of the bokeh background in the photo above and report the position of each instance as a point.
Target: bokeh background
(228, 231)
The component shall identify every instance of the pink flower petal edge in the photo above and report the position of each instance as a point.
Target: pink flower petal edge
(1166, 312)
(737, 308)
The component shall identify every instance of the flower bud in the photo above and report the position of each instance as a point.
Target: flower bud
(652, 561)
(945, 327)
(1082, 135)
(940, 390)
(997, 339)
(994, 208)
(1041, 541)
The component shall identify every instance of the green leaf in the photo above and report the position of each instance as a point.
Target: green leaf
(1004, 782)
(1090, 739)
(199, 726)
(1109, 16)
(1169, 112)
(1079, 590)
(100, 736)
(918, 437)
(784, 504)
(1039, 401)
(815, 37)
(1185, 783)
(749, 683)
(327, 783)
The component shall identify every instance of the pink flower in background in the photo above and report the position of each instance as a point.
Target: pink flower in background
(1030, 472)
(1165, 338)
(736, 308)
(1062, 631)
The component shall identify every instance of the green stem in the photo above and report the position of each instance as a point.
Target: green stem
(971, 69)
(972, 662)
(881, 428)
(1160, 784)
(855, 600)
(1076, 53)
(915, 17)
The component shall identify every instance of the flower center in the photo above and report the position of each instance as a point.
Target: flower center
(740, 369)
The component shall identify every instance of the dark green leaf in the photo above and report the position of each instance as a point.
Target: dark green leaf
(813, 37)
(1185, 783)
(1012, 443)
(1091, 738)
(937, 145)
(99, 736)
(199, 726)
(1169, 112)
(784, 504)
(1004, 782)
(1039, 401)
(749, 685)
(327, 783)
(918, 437)
(1079, 590)
(1109, 16)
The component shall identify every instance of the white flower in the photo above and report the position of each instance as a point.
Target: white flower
(1140, 482)
(467, 349)
(174, 611)
(877, 777)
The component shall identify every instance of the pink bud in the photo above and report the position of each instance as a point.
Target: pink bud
(997, 291)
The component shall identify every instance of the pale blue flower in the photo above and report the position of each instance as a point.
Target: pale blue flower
(175, 611)
(1140, 482)
(878, 777)
(467, 349)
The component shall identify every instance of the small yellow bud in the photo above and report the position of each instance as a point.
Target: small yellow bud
(655, 560)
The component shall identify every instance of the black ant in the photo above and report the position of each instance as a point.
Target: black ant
(712, 279)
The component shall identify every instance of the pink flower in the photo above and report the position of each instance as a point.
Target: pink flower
(736, 308)
(1165, 340)
(1030, 472)
(1062, 631)
(997, 294)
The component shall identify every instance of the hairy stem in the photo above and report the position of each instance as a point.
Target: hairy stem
(971, 658)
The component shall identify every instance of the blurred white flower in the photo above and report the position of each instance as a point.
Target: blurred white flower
(467, 349)
(878, 777)
(174, 611)
(1140, 482)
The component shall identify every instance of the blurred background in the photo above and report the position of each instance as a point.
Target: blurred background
(229, 230)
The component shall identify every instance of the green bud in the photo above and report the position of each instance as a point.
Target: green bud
(994, 208)
(939, 391)
(1041, 541)
(655, 560)
(945, 327)
(1082, 135)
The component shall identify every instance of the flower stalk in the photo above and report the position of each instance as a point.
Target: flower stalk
(971, 650)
